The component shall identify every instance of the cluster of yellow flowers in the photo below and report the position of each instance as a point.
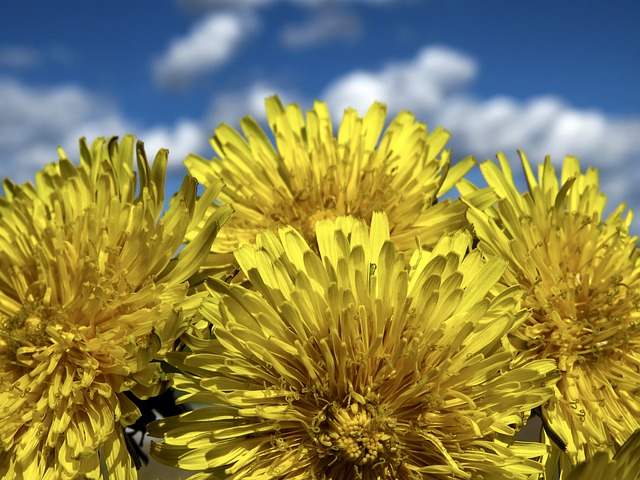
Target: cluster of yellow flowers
(331, 312)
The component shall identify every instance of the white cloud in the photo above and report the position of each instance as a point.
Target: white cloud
(432, 86)
(422, 83)
(209, 44)
(35, 121)
(185, 137)
(540, 126)
(328, 21)
(323, 26)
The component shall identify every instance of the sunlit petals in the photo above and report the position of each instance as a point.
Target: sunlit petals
(357, 363)
(92, 294)
(312, 174)
(581, 272)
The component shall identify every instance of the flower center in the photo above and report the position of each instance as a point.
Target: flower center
(355, 436)
(308, 225)
(589, 305)
(28, 326)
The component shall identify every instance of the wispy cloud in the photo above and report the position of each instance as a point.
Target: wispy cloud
(323, 26)
(207, 5)
(19, 57)
(328, 19)
(210, 43)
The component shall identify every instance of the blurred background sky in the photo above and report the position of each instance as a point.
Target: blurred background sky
(547, 76)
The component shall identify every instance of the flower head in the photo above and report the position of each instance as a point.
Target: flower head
(91, 292)
(353, 364)
(312, 175)
(581, 272)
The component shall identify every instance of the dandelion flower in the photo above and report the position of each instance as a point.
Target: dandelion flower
(624, 466)
(91, 293)
(354, 364)
(581, 272)
(312, 175)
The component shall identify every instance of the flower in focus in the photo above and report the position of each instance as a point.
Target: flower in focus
(581, 272)
(353, 364)
(90, 295)
(624, 466)
(312, 175)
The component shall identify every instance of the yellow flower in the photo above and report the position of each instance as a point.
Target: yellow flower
(624, 466)
(90, 296)
(312, 175)
(581, 272)
(353, 364)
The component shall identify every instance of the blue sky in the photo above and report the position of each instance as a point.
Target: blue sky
(549, 77)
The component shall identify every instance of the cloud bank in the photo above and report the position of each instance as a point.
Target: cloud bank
(434, 85)
(35, 121)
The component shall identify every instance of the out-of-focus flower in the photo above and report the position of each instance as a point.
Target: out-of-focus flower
(624, 466)
(354, 364)
(581, 272)
(313, 175)
(91, 293)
